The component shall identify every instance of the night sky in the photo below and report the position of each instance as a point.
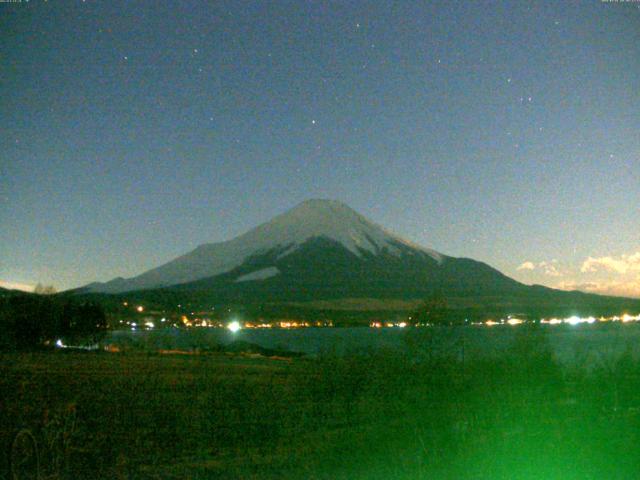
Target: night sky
(508, 132)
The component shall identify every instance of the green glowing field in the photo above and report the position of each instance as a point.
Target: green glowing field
(377, 417)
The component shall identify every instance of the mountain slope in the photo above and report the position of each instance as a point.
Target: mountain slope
(321, 268)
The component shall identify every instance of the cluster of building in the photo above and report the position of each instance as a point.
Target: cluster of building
(572, 320)
(148, 320)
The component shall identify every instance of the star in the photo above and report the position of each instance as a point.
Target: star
(313, 122)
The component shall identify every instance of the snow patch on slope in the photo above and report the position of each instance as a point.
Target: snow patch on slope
(258, 275)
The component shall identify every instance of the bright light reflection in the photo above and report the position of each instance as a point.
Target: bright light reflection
(573, 320)
(234, 326)
(551, 321)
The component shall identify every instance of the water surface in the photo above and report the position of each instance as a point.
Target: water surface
(579, 343)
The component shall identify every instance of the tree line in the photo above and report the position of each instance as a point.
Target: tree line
(28, 321)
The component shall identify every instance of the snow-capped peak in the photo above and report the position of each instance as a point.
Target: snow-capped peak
(310, 219)
(329, 219)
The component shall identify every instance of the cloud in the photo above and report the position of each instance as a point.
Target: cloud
(573, 285)
(622, 264)
(527, 266)
(16, 286)
(624, 288)
(548, 268)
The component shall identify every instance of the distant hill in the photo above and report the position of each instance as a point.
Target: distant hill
(6, 292)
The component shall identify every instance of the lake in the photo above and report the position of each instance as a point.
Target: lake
(571, 343)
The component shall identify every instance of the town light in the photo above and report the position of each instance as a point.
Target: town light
(234, 326)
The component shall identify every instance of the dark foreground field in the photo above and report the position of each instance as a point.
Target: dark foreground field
(384, 416)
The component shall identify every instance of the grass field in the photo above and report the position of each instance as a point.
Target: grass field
(382, 416)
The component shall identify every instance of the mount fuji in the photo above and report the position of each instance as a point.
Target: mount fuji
(313, 230)
(322, 250)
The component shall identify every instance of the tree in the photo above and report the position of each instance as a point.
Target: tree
(434, 310)
(85, 322)
(41, 289)
(29, 320)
